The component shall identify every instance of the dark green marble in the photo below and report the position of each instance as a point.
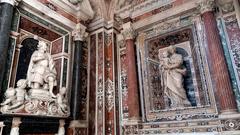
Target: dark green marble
(66, 44)
(229, 62)
(6, 13)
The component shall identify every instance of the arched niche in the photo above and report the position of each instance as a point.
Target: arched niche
(29, 45)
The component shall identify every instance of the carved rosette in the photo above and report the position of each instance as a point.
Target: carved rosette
(79, 34)
(128, 31)
(206, 5)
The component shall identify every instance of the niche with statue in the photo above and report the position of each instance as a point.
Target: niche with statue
(34, 94)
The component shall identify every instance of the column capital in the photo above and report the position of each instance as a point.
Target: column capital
(79, 33)
(206, 5)
(128, 32)
(12, 2)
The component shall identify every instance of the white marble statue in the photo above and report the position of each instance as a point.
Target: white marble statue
(41, 71)
(20, 93)
(172, 72)
(10, 99)
(15, 97)
(61, 100)
(39, 99)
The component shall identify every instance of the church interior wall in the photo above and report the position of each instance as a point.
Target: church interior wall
(106, 105)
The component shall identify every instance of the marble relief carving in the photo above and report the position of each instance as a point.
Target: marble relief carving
(161, 101)
(34, 95)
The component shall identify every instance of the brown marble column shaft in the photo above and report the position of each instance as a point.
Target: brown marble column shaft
(218, 66)
(133, 94)
(133, 97)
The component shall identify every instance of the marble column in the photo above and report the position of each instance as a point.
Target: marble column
(218, 66)
(79, 35)
(132, 83)
(6, 14)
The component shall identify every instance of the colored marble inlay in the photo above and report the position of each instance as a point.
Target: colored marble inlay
(42, 21)
(57, 46)
(38, 30)
(83, 94)
(85, 56)
(100, 82)
(92, 86)
(15, 20)
(64, 76)
(12, 44)
(66, 43)
(123, 85)
(233, 32)
(58, 66)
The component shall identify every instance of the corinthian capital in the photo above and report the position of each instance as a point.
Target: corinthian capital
(128, 31)
(79, 33)
(206, 5)
(12, 2)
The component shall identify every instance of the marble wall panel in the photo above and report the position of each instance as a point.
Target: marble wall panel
(92, 86)
(57, 46)
(36, 29)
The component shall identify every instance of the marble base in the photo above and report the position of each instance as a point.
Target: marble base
(39, 94)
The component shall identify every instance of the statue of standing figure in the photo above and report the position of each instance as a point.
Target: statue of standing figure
(34, 95)
(41, 71)
(172, 72)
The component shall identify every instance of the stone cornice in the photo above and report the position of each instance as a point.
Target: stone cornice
(79, 33)
(149, 5)
(82, 10)
(12, 2)
(206, 5)
(128, 31)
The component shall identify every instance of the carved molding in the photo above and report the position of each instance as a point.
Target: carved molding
(206, 5)
(136, 10)
(128, 31)
(79, 33)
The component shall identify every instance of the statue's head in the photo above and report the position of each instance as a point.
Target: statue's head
(22, 83)
(42, 45)
(10, 92)
(172, 49)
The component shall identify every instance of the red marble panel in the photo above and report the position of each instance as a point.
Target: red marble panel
(92, 89)
(58, 66)
(57, 46)
(36, 29)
